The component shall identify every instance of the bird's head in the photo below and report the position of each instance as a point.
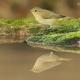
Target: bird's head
(38, 11)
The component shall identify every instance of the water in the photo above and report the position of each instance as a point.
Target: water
(17, 59)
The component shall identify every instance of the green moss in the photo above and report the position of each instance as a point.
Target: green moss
(66, 31)
(9, 26)
(18, 22)
(69, 37)
(65, 25)
(35, 39)
(63, 31)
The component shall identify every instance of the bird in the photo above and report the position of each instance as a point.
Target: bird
(46, 17)
(47, 61)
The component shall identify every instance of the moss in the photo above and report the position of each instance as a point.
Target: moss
(67, 25)
(35, 39)
(63, 32)
(18, 22)
(69, 37)
(8, 26)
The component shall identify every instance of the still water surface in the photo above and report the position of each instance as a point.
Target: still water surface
(17, 59)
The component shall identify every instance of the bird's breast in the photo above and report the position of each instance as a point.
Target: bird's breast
(46, 21)
(41, 20)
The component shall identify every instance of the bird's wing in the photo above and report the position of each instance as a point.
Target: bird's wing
(47, 15)
(51, 15)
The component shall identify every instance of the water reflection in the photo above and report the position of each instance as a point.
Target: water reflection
(47, 61)
(17, 59)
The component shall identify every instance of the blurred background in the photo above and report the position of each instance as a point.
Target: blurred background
(21, 8)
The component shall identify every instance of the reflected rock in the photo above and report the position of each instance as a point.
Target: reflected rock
(47, 61)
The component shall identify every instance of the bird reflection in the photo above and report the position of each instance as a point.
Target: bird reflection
(47, 61)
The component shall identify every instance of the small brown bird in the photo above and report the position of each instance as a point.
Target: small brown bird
(45, 16)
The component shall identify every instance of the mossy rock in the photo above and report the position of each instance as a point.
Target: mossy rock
(64, 33)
